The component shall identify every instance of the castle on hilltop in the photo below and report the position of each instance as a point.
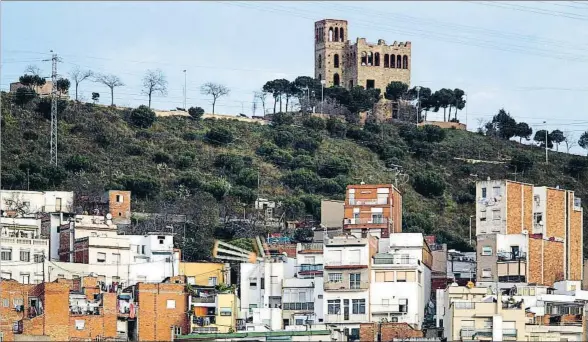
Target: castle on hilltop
(341, 63)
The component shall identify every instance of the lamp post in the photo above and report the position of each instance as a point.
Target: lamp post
(418, 89)
(323, 82)
(471, 242)
(546, 155)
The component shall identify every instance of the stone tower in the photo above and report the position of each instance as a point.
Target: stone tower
(330, 43)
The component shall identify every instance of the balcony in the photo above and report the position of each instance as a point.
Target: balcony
(23, 241)
(298, 306)
(379, 201)
(463, 305)
(395, 260)
(346, 286)
(311, 248)
(509, 256)
(308, 269)
(204, 300)
(472, 333)
(203, 321)
(374, 221)
(351, 318)
(509, 332)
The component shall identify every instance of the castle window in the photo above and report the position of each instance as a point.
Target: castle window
(377, 60)
(370, 84)
(341, 35)
(336, 80)
(398, 61)
(405, 62)
(350, 84)
(336, 34)
(316, 35)
(320, 61)
(336, 60)
(392, 61)
(371, 59)
(330, 34)
(386, 61)
(363, 58)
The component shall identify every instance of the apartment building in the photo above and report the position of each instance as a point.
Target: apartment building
(309, 260)
(400, 287)
(302, 302)
(373, 208)
(212, 309)
(347, 263)
(206, 273)
(439, 279)
(527, 234)
(461, 266)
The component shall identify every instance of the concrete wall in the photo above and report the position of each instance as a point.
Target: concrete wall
(203, 271)
(156, 315)
(332, 213)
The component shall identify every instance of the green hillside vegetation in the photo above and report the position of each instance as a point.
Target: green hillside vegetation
(210, 168)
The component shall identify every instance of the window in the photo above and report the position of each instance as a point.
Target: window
(226, 311)
(538, 218)
(483, 216)
(496, 191)
(404, 276)
(212, 281)
(143, 249)
(119, 198)
(5, 275)
(354, 280)
(486, 250)
(17, 302)
(25, 278)
(138, 249)
(358, 306)
(80, 324)
(320, 61)
(370, 84)
(496, 215)
(377, 218)
(38, 257)
(309, 260)
(403, 305)
(116, 258)
(420, 277)
(6, 254)
(336, 61)
(177, 330)
(483, 192)
(486, 273)
(334, 307)
(299, 321)
(335, 277)
(387, 276)
(336, 80)
(171, 304)
(161, 239)
(101, 257)
(25, 255)
(252, 282)
(5, 302)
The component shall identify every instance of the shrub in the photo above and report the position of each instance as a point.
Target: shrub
(143, 134)
(521, 162)
(432, 134)
(190, 136)
(23, 96)
(307, 143)
(134, 150)
(330, 187)
(334, 166)
(248, 178)
(191, 180)
(142, 186)
(44, 107)
(30, 135)
(428, 184)
(219, 136)
(196, 112)
(313, 122)
(142, 117)
(184, 161)
(282, 119)
(577, 166)
(244, 194)
(336, 128)
(266, 149)
(78, 163)
(301, 178)
(283, 138)
(303, 235)
(217, 188)
(230, 163)
(161, 157)
(303, 161)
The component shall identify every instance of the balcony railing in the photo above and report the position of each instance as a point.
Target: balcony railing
(509, 332)
(299, 306)
(509, 256)
(467, 333)
(24, 241)
(379, 201)
(311, 268)
(463, 305)
(203, 299)
(346, 286)
(203, 321)
(311, 247)
(359, 221)
(395, 260)
(512, 279)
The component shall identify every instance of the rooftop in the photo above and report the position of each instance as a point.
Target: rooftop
(250, 334)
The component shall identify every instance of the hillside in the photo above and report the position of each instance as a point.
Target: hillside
(184, 165)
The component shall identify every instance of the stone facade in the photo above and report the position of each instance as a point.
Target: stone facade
(388, 331)
(341, 63)
(161, 306)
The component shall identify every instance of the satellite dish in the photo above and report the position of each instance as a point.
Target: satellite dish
(109, 216)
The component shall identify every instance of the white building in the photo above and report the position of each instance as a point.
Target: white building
(261, 292)
(400, 288)
(309, 260)
(346, 286)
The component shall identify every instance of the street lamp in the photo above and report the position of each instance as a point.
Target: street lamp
(471, 217)
(418, 89)
(546, 156)
(323, 82)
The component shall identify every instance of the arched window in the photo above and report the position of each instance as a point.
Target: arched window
(320, 61)
(371, 58)
(405, 62)
(330, 34)
(377, 60)
(386, 61)
(363, 58)
(336, 34)
(336, 61)
(336, 80)
(399, 61)
(342, 34)
(392, 61)
(350, 84)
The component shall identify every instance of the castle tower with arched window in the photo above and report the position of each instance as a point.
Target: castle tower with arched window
(339, 62)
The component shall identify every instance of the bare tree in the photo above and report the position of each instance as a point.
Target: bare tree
(215, 90)
(570, 140)
(111, 81)
(261, 95)
(78, 76)
(33, 70)
(154, 82)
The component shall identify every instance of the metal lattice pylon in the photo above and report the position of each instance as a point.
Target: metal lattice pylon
(54, 60)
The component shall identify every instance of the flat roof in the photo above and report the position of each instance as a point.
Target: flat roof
(210, 336)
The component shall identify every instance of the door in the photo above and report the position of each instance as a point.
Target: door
(346, 309)
(57, 204)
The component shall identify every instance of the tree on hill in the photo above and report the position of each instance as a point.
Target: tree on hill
(583, 141)
(523, 131)
(78, 76)
(570, 140)
(423, 96)
(24, 96)
(196, 112)
(215, 90)
(95, 97)
(154, 82)
(32, 82)
(62, 85)
(458, 101)
(261, 96)
(443, 99)
(557, 137)
(111, 81)
(541, 136)
(502, 125)
(278, 88)
(142, 117)
(396, 90)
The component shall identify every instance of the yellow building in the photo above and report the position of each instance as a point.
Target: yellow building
(213, 311)
(205, 273)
